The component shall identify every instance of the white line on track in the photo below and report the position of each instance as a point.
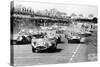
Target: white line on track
(70, 60)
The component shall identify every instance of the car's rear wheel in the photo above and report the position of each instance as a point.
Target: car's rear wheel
(14, 42)
(54, 47)
(59, 40)
(33, 49)
(36, 51)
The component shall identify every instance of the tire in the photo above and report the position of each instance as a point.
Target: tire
(36, 51)
(33, 49)
(78, 41)
(14, 42)
(59, 40)
(54, 47)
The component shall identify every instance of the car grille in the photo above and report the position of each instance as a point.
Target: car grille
(40, 47)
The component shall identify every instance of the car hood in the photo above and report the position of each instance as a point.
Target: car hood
(43, 42)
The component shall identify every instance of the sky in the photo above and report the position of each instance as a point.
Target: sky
(67, 8)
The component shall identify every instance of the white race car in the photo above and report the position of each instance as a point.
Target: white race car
(40, 42)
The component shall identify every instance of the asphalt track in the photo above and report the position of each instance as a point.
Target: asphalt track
(65, 53)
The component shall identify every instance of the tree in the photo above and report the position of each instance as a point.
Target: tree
(73, 14)
(90, 15)
(46, 12)
(38, 12)
(80, 15)
(53, 12)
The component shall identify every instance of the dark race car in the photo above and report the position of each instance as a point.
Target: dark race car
(75, 39)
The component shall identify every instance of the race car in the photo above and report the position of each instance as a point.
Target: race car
(75, 39)
(54, 35)
(86, 33)
(20, 39)
(40, 42)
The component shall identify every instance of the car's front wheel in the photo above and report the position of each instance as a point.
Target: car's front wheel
(54, 46)
(34, 50)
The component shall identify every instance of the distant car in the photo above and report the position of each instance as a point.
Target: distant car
(86, 33)
(21, 40)
(40, 42)
(75, 39)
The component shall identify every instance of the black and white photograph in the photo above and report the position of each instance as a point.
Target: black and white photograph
(52, 33)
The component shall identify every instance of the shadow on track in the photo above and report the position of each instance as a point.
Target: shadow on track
(51, 51)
